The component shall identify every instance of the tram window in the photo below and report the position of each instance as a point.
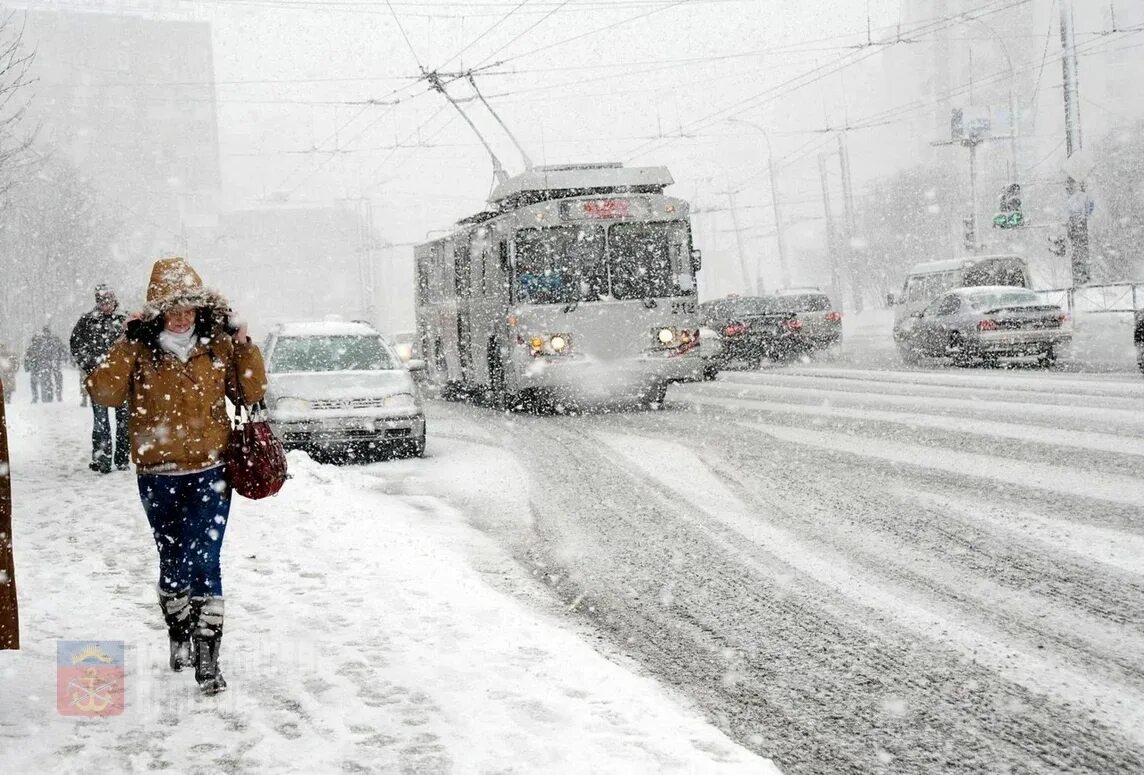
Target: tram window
(463, 278)
(551, 263)
(639, 258)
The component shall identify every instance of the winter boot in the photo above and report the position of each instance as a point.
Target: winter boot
(177, 613)
(207, 639)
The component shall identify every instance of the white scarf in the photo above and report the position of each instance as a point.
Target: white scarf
(179, 345)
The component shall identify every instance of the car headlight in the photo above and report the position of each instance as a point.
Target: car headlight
(558, 343)
(665, 335)
(289, 404)
(402, 401)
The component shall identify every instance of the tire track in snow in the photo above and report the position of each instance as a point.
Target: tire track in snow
(795, 660)
(1044, 674)
(1099, 442)
(1116, 421)
(1059, 479)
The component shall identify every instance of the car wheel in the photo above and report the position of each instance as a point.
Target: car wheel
(909, 355)
(416, 447)
(958, 350)
(710, 372)
(1048, 358)
(654, 395)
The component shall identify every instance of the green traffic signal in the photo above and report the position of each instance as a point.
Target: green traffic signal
(1008, 220)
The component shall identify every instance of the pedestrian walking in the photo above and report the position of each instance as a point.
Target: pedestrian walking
(91, 340)
(9, 615)
(9, 368)
(178, 362)
(43, 362)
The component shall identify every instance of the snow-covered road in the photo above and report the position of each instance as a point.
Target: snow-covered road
(852, 571)
(848, 571)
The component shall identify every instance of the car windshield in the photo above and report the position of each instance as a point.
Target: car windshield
(330, 353)
(723, 310)
(997, 299)
(805, 302)
(564, 264)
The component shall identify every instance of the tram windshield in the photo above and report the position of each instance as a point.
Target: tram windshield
(630, 260)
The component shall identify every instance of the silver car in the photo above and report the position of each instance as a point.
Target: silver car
(338, 389)
(821, 321)
(984, 324)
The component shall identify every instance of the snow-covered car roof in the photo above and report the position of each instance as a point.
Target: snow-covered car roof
(327, 328)
(970, 290)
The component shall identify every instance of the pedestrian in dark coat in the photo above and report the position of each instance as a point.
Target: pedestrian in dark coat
(176, 366)
(43, 361)
(9, 615)
(91, 341)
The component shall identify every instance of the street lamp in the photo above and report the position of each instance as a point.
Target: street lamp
(783, 272)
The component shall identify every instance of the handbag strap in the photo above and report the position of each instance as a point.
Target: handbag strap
(258, 407)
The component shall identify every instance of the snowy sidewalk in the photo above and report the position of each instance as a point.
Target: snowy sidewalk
(361, 637)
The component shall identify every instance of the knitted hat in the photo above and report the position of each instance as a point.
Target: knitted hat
(175, 284)
(104, 294)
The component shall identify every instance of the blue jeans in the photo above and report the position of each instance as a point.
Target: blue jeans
(101, 436)
(188, 514)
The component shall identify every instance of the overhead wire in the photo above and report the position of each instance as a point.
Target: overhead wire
(480, 37)
(523, 33)
(823, 71)
(401, 27)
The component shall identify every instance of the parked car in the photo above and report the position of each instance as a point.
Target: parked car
(1138, 338)
(338, 389)
(821, 322)
(753, 328)
(984, 324)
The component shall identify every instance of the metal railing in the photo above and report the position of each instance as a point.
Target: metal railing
(1086, 299)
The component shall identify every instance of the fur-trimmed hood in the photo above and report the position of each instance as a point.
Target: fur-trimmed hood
(174, 283)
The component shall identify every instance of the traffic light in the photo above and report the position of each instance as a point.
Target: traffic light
(969, 232)
(1009, 208)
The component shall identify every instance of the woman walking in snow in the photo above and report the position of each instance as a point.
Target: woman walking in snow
(176, 365)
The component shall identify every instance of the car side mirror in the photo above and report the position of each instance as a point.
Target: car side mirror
(696, 260)
(415, 364)
(891, 300)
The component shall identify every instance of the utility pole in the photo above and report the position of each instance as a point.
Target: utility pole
(784, 271)
(1078, 202)
(739, 245)
(831, 234)
(848, 211)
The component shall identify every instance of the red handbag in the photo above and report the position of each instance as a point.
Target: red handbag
(255, 458)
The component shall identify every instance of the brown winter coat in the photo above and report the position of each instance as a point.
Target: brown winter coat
(9, 618)
(177, 411)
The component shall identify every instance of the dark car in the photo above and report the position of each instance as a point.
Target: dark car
(753, 329)
(1138, 337)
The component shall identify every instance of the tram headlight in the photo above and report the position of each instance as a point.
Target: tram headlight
(558, 343)
(665, 336)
